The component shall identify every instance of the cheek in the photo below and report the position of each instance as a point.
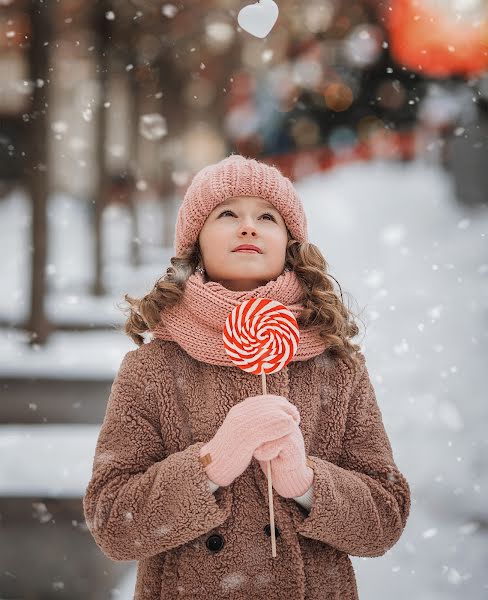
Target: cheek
(218, 225)
(280, 239)
(211, 234)
(213, 239)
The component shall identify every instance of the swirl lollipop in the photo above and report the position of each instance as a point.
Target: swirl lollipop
(261, 336)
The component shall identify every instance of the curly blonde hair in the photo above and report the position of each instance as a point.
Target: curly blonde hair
(322, 306)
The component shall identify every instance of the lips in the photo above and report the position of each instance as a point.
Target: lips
(247, 248)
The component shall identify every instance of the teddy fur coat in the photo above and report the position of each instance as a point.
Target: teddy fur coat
(148, 498)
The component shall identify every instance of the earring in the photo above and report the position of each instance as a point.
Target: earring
(200, 269)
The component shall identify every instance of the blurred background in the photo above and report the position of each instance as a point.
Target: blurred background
(377, 111)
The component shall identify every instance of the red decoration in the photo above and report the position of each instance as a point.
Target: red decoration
(435, 39)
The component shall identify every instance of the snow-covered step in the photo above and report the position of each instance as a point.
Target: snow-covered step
(49, 461)
(91, 355)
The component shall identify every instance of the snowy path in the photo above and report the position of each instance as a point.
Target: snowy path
(396, 240)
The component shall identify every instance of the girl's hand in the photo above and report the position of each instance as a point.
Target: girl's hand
(248, 424)
(290, 472)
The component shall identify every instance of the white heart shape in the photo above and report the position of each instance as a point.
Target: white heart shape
(258, 19)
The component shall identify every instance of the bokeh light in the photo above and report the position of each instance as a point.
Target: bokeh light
(338, 96)
(202, 144)
(362, 45)
(305, 131)
(307, 73)
(341, 138)
(318, 15)
(219, 35)
(153, 126)
(368, 126)
(391, 94)
(440, 38)
(242, 121)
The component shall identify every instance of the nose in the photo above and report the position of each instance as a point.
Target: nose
(247, 228)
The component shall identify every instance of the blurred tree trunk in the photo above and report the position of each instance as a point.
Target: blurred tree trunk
(167, 191)
(134, 114)
(100, 188)
(37, 163)
(173, 110)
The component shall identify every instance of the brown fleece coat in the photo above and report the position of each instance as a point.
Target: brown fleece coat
(148, 498)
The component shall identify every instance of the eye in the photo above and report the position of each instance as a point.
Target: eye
(229, 211)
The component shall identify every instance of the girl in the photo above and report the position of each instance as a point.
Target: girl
(179, 474)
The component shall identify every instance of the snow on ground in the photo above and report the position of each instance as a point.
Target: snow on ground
(411, 262)
(415, 264)
(94, 355)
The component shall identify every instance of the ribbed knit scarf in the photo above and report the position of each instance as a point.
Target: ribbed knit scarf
(196, 323)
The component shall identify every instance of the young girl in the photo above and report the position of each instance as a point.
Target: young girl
(179, 474)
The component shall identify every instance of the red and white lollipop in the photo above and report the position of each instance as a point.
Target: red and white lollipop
(261, 336)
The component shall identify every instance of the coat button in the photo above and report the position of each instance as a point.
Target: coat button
(215, 542)
(267, 531)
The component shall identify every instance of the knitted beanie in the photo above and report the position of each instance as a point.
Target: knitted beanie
(234, 176)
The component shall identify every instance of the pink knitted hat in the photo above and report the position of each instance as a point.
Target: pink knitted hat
(233, 176)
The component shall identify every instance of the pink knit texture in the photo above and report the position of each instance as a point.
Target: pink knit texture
(290, 473)
(235, 176)
(196, 323)
(248, 424)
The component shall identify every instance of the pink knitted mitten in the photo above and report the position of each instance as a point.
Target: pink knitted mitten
(290, 471)
(248, 424)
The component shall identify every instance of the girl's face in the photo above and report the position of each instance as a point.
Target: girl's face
(243, 220)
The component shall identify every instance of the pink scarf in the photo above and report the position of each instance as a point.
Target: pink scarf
(196, 323)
